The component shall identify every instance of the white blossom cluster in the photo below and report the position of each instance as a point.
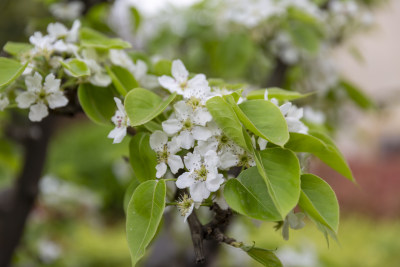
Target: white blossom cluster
(44, 61)
(39, 97)
(252, 13)
(67, 11)
(192, 142)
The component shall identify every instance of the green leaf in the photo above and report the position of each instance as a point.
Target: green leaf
(282, 169)
(122, 79)
(16, 49)
(226, 119)
(358, 97)
(263, 256)
(142, 158)
(279, 94)
(97, 102)
(163, 67)
(10, 70)
(144, 215)
(236, 95)
(136, 18)
(95, 39)
(264, 119)
(248, 195)
(129, 192)
(76, 67)
(142, 105)
(152, 126)
(319, 201)
(322, 147)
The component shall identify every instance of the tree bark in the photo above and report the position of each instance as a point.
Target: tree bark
(17, 202)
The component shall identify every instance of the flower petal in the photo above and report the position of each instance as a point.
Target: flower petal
(57, 100)
(175, 163)
(26, 99)
(51, 84)
(201, 133)
(184, 180)
(179, 71)
(157, 140)
(118, 133)
(171, 126)
(161, 169)
(186, 139)
(201, 116)
(34, 83)
(214, 182)
(170, 84)
(174, 145)
(228, 160)
(38, 112)
(199, 191)
(192, 161)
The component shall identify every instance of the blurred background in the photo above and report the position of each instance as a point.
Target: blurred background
(79, 217)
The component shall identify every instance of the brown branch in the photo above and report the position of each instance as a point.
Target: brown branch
(17, 202)
(196, 230)
(214, 231)
(277, 77)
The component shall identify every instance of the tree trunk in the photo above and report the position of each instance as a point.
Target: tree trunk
(17, 202)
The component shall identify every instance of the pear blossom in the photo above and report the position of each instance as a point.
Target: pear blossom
(4, 102)
(141, 75)
(99, 76)
(39, 97)
(262, 143)
(120, 58)
(189, 124)
(202, 177)
(314, 116)
(165, 153)
(43, 43)
(121, 122)
(292, 115)
(180, 83)
(59, 31)
(139, 70)
(67, 11)
(236, 156)
(185, 206)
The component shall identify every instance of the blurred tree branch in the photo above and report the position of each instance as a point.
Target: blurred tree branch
(17, 202)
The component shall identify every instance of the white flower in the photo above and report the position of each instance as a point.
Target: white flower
(203, 177)
(236, 156)
(67, 11)
(43, 44)
(314, 116)
(120, 58)
(139, 70)
(38, 97)
(189, 123)
(185, 206)
(262, 143)
(165, 153)
(294, 221)
(99, 76)
(196, 87)
(121, 122)
(4, 102)
(292, 115)
(140, 73)
(59, 31)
